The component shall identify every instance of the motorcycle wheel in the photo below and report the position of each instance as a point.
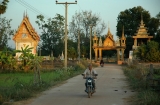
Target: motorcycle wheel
(89, 92)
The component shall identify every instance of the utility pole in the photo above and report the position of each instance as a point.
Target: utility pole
(91, 26)
(79, 53)
(66, 7)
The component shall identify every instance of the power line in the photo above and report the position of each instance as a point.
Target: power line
(31, 8)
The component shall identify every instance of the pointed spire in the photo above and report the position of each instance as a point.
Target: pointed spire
(95, 32)
(108, 27)
(24, 14)
(141, 19)
(100, 41)
(123, 32)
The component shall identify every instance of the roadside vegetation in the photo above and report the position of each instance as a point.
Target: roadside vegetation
(24, 77)
(147, 93)
(21, 85)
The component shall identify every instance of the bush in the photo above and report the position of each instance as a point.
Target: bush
(136, 76)
(19, 86)
(148, 97)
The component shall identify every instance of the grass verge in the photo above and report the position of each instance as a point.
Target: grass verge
(18, 86)
(137, 79)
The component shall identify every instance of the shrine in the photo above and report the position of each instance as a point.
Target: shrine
(141, 37)
(109, 44)
(26, 36)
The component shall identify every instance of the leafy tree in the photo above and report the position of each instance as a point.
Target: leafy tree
(5, 32)
(149, 52)
(130, 19)
(81, 21)
(26, 55)
(72, 52)
(52, 34)
(36, 64)
(157, 37)
(152, 51)
(141, 53)
(6, 59)
(3, 6)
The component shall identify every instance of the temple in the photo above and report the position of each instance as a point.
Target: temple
(141, 37)
(26, 36)
(109, 44)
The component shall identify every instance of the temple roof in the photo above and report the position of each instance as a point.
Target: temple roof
(123, 36)
(95, 36)
(109, 35)
(142, 31)
(29, 28)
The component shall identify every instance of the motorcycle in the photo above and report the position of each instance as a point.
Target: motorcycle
(89, 85)
(101, 64)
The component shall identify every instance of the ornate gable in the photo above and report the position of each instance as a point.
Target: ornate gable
(25, 30)
(26, 35)
(109, 41)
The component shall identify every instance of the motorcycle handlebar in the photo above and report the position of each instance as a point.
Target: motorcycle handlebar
(94, 74)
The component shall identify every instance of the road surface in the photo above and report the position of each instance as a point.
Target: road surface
(112, 89)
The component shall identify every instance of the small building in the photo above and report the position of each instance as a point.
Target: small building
(142, 35)
(109, 44)
(26, 36)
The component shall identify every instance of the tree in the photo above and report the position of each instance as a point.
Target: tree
(3, 6)
(130, 19)
(141, 52)
(36, 64)
(5, 32)
(157, 37)
(72, 53)
(81, 21)
(26, 56)
(52, 34)
(6, 59)
(149, 52)
(152, 51)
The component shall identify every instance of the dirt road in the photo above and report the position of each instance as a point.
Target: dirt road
(112, 89)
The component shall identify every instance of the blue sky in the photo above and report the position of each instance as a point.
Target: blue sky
(108, 10)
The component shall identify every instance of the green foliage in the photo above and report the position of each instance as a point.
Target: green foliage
(19, 86)
(52, 34)
(136, 76)
(26, 55)
(130, 19)
(149, 52)
(36, 64)
(5, 32)
(80, 24)
(82, 20)
(3, 6)
(141, 53)
(7, 60)
(157, 36)
(148, 98)
(72, 52)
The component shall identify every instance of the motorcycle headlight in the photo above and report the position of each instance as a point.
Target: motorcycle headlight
(89, 80)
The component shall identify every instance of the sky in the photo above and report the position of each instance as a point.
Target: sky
(108, 10)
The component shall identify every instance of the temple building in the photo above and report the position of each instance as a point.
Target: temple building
(26, 36)
(141, 37)
(109, 44)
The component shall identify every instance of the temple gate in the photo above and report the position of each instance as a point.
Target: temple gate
(109, 44)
